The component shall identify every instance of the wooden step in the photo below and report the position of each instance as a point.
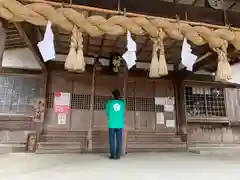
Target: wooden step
(178, 149)
(154, 139)
(44, 147)
(137, 141)
(156, 146)
(64, 132)
(59, 138)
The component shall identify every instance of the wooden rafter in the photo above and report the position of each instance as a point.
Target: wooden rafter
(209, 59)
(30, 37)
(231, 6)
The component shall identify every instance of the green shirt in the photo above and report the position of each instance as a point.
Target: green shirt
(115, 113)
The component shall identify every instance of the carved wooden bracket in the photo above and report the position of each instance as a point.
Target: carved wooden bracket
(39, 107)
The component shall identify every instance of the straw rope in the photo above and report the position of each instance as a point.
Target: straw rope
(39, 13)
(223, 69)
(67, 18)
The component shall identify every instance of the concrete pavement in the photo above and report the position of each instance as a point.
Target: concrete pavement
(143, 166)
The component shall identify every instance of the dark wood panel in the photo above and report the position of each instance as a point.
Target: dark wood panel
(162, 9)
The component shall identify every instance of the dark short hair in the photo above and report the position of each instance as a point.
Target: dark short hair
(116, 93)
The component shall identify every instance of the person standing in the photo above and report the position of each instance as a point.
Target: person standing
(115, 113)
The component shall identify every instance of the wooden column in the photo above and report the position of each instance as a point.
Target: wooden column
(40, 126)
(28, 33)
(178, 82)
(90, 122)
(125, 130)
(2, 41)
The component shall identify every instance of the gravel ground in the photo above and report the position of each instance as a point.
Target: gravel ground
(143, 166)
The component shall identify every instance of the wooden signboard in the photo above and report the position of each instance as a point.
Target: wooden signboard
(115, 64)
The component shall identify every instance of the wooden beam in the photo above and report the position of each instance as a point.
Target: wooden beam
(162, 9)
(231, 6)
(28, 33)
(204, 57)
(210, 58)
(20, 72)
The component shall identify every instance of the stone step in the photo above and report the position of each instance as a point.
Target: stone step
(12, 147)
(214, 147)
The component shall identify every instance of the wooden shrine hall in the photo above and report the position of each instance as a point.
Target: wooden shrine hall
(58, 106)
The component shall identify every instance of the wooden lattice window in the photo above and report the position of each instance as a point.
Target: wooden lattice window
(204, 102)
(80, 101)
(145, 104)
(50, 100)
(83, 101)
(17, 93)
(100, 102)
(130, 104)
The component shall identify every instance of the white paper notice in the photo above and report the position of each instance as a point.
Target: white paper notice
(62, 99)
(160, 100)
(168, 108)
(62, 117)
(170, 123)
(160, 118)
(169, 100)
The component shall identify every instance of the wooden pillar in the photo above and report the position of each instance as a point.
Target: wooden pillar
(125, 130)
(90, 125)
(2, 41)
(178, 81)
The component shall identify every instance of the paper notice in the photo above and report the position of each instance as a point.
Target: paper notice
(170, 123)
(62, 102)
(168, 108)
(160, 118)
(62, 117)
(170, 100)
(62, 99)
(160, 100)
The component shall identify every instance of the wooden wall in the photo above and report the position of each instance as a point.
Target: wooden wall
(17, 94)
(140, 93)
(143, 131)
(217, 129)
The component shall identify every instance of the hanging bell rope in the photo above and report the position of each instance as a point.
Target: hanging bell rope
(158, 66)
(79, 65)
(223, 72)
(162, 65)
(153, 70)
(71, 59)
